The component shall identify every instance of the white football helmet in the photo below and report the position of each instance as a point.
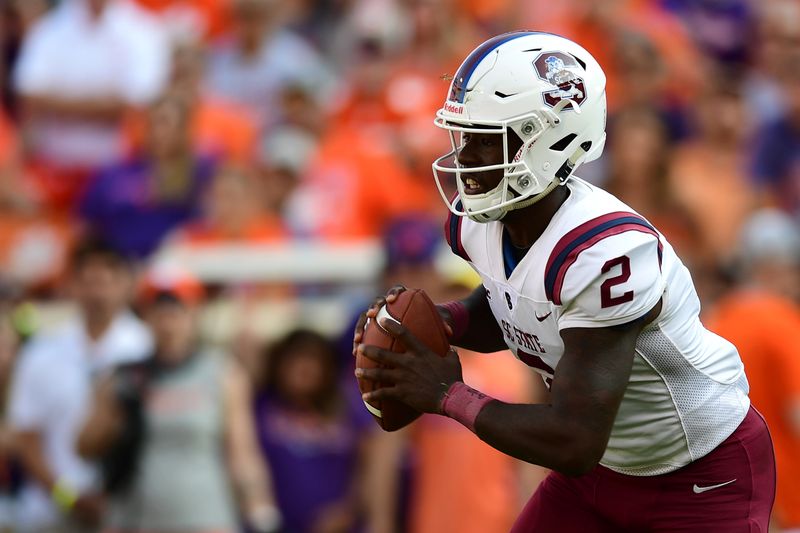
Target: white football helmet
(546, 89)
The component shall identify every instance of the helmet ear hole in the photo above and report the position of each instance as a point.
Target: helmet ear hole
(561, 144)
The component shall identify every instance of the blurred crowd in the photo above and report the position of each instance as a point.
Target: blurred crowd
(132, 129)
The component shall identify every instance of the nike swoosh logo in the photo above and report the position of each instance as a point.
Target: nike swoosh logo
(699, 490)
(543, 318)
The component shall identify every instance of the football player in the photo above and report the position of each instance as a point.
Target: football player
(649, 425)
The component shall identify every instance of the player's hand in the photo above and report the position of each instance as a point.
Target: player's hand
(447, 318)
(418, 377)
(372, 312)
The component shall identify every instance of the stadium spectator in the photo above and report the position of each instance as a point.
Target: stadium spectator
(232, 212)
(34, 242)
(286, 152)
(190, 405)
(354, 184)
(283, 158)
(776, 158)
(644, 72)
(707, 173)
(260, 57)
(777, 37)
(51, 391)
(140, 199)
(369, 42)
(300, 112)
(762, 318)
(396, 62)
(316, 21)
(319, 440)
(219, 126)
(359, 137)
(385, 88)
(82, 66)
(638, 159)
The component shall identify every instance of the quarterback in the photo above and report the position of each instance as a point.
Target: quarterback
(648, 426)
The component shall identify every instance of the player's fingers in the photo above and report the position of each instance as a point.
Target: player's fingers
(392, 293)
(380, 355)
(447, 329)
(358, 331)
(373, 309)
(384, 393)
(384, 375)
(446, 317)
(397, 330)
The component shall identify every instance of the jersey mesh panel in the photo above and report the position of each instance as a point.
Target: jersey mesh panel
(710, 410)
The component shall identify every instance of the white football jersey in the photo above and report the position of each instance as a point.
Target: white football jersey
(598, 264)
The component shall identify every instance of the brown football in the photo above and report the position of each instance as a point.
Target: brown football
(415, 310)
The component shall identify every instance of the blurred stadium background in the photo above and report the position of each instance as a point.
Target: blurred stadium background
(278, 152)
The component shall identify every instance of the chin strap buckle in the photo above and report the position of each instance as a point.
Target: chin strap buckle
(566, 169)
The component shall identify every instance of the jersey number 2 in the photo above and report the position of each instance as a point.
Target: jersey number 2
(606, 300)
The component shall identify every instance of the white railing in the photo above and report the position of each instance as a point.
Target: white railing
(303, 262)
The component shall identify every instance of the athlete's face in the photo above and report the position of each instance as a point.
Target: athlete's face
(101, 285)
(172, 323)
(484, 149)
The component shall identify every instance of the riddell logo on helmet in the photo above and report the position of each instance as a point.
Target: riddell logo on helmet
(457, 109)
(562, 71)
